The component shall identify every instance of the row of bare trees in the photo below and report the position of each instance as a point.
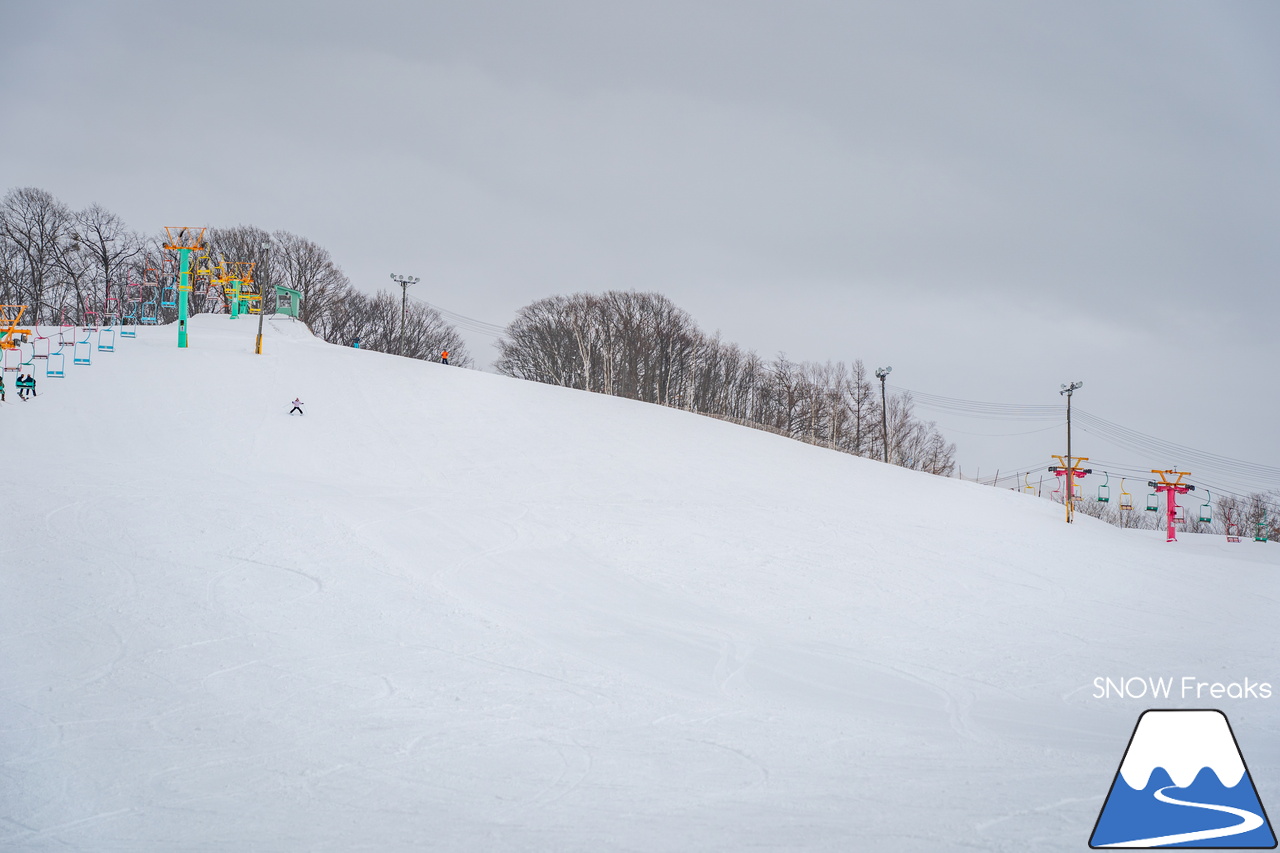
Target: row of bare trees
(70, 266)
(643, 346)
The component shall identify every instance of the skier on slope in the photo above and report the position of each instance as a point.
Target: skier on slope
(297, 406)
(444, 357)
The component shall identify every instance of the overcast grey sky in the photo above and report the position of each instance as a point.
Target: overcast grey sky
(995, 198)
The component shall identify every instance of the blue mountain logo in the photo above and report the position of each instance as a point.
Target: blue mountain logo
(1183, 783)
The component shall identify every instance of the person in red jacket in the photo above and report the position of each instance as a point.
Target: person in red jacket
(444, 357)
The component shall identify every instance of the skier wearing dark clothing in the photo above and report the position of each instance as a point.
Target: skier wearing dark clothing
(1, 389)
(31, 384)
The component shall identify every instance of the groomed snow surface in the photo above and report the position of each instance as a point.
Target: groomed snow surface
(447, 610)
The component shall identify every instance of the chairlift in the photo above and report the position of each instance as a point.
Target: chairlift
(1179, 516)
(1104, 491)
(1206, 511)
(1126, 499)
(1260, 529)
(83, 353)
(107, 340)
(1153, 502)
(149, 313)
(55, 366)
(1027, 488)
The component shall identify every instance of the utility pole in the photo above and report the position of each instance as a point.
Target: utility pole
(882, 373)
(262, 292)
(404, 281)
(1070, 466)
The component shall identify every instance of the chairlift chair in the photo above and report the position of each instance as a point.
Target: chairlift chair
(1104, 491)
(55, 365)
(1179, 515)
(1206, 511)
(83, 353)
(168, 296)
(107, 340)
(1153, 503)
(150, 313)
(1126, 499)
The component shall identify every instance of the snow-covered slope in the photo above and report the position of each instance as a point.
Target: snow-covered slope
(449, 610)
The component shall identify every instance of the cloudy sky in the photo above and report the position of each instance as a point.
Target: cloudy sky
(993, 198)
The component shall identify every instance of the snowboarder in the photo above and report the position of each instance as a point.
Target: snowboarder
(444, 357)
(297, 406)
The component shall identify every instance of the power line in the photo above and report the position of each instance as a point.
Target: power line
(463, 321)
(1215, 468)
(981, 409)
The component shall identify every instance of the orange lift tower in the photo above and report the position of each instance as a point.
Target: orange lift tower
(1171, 488)
(10, 317)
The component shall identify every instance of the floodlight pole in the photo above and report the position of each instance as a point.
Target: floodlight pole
(883, 373)
(404, 281)
(262, 290)
(1070, 466)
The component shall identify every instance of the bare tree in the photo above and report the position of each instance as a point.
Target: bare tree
(36, 230)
